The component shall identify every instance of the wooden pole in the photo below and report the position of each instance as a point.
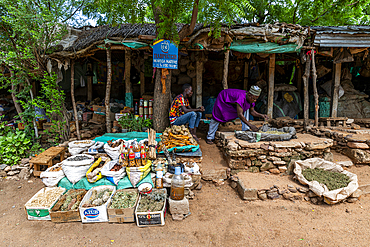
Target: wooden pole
(142, 83)
(73, 98)
(161, 102)
(226, 69)
(270, 101)
(107, 91)
(335, 90)
(299, 79)
(199, 76)
(305, 91)
(128, 75)
(89, 88)
(246, 73)
(315, 94)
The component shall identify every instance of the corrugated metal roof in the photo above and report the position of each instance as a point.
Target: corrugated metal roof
(342, 36)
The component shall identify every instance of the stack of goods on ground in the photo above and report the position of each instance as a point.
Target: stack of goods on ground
(272, 157)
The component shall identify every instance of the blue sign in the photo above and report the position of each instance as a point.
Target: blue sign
(91, 213)
(165, 54)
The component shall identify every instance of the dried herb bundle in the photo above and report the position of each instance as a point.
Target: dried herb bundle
(332, 180)
(124, 199)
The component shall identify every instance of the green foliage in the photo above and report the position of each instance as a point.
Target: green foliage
(125, 122)
(15, 145)
(148, 123)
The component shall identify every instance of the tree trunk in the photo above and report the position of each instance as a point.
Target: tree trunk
(315, 94)
(34, 118)
(161, 102)
(271, 81)
(226, 70)
(16, 105)
(73, 98)
(128, 76)
(335, 89)
(107, 91)
(305, 91)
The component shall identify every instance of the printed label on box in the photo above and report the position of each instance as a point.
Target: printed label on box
(91, 213)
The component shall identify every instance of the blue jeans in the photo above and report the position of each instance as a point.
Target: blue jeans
(193, 118)
(213, 126)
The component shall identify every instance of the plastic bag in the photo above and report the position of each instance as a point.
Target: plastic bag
(136, 174)
(94, 172)
(113, 176)
(70, 161)
(51, 179)
(94, 148)
(327, 87)
(76, 170)
(167, 178)
(77, 147)
(113, 152)
(332, 196)
(260, 136)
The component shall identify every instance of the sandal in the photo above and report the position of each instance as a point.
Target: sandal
(210, 142)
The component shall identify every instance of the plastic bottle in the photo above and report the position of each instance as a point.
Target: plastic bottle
(150, 109)
(159, 177)
(137, 155)
(146, 109)
(177, 185)
(125, 157)
(136, 108)
(131, 157)
(143, 156)
(141, 107)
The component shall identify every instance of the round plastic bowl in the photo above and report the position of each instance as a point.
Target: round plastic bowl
(145, 188)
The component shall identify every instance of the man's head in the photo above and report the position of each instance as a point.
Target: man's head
(187, 90)
(253, 94)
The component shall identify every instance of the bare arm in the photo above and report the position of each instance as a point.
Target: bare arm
(240, 112)
(256, 114)
(189, 109)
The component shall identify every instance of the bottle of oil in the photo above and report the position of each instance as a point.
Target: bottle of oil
(143, 156)
(177, 185)
(125, 157)
(131, 157)
(137, 155)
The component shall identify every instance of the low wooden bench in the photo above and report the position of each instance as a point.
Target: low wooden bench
(46, 159)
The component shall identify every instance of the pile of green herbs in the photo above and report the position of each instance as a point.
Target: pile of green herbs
(332, 180)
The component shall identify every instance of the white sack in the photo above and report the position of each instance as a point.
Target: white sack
(51, 179)
(76, 170)
(77, 147)
(330, 197)
(113, 176)
(113, 152)
(327, 87)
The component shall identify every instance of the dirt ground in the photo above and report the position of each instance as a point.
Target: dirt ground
(218, 218)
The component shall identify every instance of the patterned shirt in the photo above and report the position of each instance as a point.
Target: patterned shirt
(176, 105)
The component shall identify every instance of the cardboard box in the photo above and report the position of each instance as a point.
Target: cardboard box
(99, 213)
(123, 215)
(40, 213)
(98, 108)
(98, 118)
(144, 219)
(64, 216)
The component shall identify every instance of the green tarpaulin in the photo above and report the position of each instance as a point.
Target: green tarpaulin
(131, 44)
(259, 47)
(125, 136)
(124, 183)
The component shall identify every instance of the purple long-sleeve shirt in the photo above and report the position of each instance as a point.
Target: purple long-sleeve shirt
(224, 109)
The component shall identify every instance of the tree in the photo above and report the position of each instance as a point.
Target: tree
(165, 13)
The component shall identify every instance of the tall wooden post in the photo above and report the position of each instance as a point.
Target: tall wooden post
(89, 88)
(299, 79)
(246, 73)
(315, 94)
(199, 76)
(194, 86)
(142, 83)
(335, 89)
(305, 91)
(73, 98)
(270, 101)
(161, 102)
(226, 69)
(128, 74)
(107, 91)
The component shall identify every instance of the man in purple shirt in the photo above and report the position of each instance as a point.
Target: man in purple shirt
(231, 104)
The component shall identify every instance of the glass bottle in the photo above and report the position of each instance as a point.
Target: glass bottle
(177, 185)
(159, 177)
(141, 107)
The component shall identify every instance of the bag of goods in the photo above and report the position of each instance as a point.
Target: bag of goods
(179, 139)
(77, 147)
(52, 175)
(326, 179)
(70, 200)
(38, 206)
(94, 172)
(113, 147)
(75, 167)
(136, 174)
(113, 171)
(94, 148)
(167, 178)
(124, 199)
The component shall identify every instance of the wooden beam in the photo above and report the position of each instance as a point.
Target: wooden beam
(335, 89)
(270, 101)
(246, 74)
(226, 69)
(199, 82)
(142, 83)
(107, 91)
(89, 88)
(315, 94)
(73, 98)
(299, 78)
(128, 75)
(305, 90)
(147, 37)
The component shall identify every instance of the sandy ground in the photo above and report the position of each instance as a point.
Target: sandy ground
(218, 218)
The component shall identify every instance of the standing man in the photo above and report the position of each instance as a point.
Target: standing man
(181, 112)
(231, 104)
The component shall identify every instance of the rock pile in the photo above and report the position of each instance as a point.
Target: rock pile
(17, 172)
(275, 157)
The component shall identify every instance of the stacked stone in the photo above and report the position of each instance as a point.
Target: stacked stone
(274, 157)
(16, 172)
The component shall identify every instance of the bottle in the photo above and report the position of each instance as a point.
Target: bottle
(159, 177)
(136, 109)
(177, 185)
(141, 107)
(143, 156)
(146, 109)
(125, 157)
(137, 155)
(150, 109)
(131, 157)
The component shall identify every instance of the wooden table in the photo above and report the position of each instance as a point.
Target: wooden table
(46, 158)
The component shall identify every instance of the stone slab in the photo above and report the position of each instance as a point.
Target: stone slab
(214, 174)
(358, 145)
(365, 188)
(180, 207)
